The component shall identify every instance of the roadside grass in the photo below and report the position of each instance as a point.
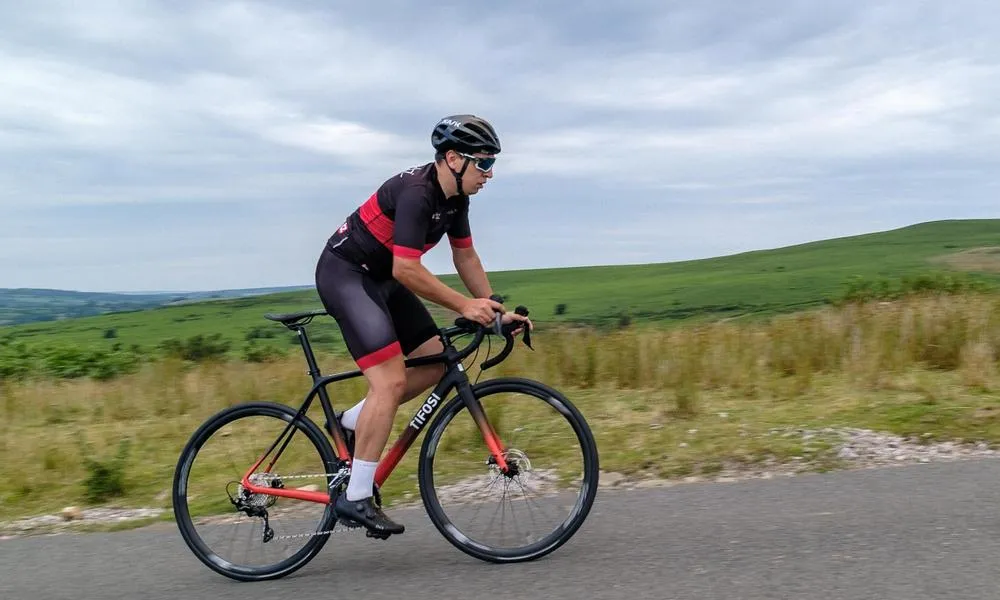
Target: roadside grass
(671, 402)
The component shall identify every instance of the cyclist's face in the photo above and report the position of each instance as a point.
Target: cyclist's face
(473, 179)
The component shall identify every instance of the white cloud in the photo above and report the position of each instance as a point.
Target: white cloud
(688, 116)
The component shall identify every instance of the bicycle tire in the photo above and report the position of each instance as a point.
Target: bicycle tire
(182, 515)
(585, 500)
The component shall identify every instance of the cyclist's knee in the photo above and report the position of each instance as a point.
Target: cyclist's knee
(388, 382)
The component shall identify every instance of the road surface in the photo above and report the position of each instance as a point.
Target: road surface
(910, 533)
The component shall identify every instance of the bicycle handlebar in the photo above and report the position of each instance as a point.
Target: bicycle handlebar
(463, 325)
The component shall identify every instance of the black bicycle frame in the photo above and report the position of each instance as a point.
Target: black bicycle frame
(454, 377)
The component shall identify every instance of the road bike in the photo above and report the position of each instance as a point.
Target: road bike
(501, 449)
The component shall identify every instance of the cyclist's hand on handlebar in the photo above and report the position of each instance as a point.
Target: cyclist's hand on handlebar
(481, 310)
(525, 322)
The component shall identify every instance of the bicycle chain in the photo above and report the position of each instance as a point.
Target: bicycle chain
(284, 477)
(344, 529)
(342, 474)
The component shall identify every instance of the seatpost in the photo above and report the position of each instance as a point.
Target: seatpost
(310, 357)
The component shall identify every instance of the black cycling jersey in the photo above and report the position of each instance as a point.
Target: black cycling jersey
(407, 216)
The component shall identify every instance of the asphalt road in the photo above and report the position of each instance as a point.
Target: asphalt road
(907, 533)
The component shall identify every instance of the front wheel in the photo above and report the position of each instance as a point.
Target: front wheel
(540, 502)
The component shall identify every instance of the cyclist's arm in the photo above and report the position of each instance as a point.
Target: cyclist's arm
(415, 276)
(464, 255)
(471, 270)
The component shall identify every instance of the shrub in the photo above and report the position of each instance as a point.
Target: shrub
(15, 361)
(261, 332)
(198, 348)
(255, 353)
(858, 290)
(105, 479)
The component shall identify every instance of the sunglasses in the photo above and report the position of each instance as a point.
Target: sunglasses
(484, 163)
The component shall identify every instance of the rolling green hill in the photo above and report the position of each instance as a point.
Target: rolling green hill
(752, 283)
(29, 305)
(26, 305)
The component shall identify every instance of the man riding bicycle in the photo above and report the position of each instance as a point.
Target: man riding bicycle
(369, 276)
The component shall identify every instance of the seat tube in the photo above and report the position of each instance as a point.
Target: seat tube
(333, 428)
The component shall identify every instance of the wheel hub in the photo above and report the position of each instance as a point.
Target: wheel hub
(518, 463)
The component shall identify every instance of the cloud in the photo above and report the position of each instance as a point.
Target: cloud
(213, 136)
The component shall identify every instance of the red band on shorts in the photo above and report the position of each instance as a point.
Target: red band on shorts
(465, 242)
(379, 356)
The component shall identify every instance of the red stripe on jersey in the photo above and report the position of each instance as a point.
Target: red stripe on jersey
(405, 252)
(465, 242)
(377, 223)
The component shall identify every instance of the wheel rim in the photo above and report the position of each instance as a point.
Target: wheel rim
(523, 512)
(228, 538)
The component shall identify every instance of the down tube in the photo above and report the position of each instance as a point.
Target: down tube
(417, 424)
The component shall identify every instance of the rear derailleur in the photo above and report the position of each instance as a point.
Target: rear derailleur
(256, 505)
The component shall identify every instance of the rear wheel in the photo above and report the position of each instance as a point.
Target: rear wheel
(247, 536)
(531, 510)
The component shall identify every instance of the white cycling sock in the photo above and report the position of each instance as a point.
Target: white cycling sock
(362, 480)
(350, 417)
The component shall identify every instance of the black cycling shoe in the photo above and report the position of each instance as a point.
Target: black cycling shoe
(367, 513)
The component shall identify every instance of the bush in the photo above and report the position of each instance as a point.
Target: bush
(72, 362)
(261, 353)
(15, 361)
(560, 309)
(198, 348)
(261, 332)
(859, 290)
(18, 361)
(105, 479)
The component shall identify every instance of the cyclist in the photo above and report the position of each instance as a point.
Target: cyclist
(369, 276)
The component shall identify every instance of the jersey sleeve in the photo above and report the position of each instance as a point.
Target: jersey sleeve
(410, 224)
(460, 234)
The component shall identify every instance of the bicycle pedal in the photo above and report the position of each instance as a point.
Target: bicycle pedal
(376, 535)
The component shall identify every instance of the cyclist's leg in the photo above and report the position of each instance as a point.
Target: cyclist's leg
(418, 336)
(386, 384)
(358, 303)
(390, 384)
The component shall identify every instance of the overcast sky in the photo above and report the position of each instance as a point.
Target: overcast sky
(203, 145)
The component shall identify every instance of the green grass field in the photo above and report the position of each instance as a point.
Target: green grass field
(754, 283)
(922, 366)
